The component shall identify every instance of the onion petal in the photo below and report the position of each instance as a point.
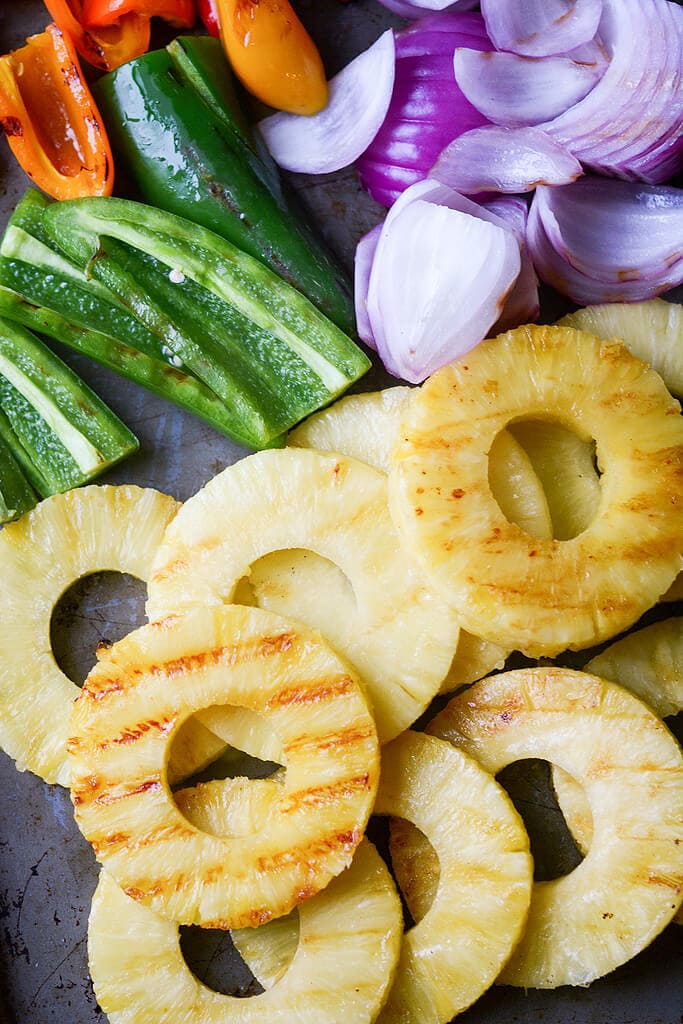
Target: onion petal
(498, 159)
(630, 123)
(365, 254)
(359, 97)
(418, 8)
(540, 28)
(439, 280)
(607, 241)
(427, 108)
(516, 91)
(522, 304)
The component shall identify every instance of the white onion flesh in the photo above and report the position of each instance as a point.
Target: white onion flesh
(359, 97)
(540, 28)
(499, 159)
(516, 91)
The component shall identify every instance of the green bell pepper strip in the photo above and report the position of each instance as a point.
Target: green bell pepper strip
(16, 494)
(180, 136)
(69, 435)
(269, 353)
(41, 289)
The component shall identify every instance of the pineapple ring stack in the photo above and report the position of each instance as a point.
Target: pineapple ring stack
(345, 960)
(68, 536)
(630, 884)
(543, 596)
(400, 635)
(144, 687)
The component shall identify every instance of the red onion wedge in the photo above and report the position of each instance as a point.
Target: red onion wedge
(607, 241)
(540, 28)
(419, 8)
(365, 254)
(522, 305)
(427, 108)
(359, 98)
(499, 159)
(439, 280)
(630, 124)
(516, 91)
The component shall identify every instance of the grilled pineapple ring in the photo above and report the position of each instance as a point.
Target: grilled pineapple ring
(543, 595)
(630, 884)
(399, 635)
(454, 953)
(141, 691)
(344, 962)
(68, 536)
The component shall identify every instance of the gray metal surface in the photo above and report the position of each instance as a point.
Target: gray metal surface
(47, 871)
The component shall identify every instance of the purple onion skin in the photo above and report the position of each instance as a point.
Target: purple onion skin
(427, 109)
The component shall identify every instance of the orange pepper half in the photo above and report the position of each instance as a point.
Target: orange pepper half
(272, 54)
(178, 13)
(50, 120)
(105, 48)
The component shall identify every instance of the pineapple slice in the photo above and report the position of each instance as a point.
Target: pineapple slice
(543, 595)
(343, 963)
(145, 686)
(397, 633)
(365, 427)
(68, 536)
(651, 330)
(648, 663)
(630, 884)
(565, 465)
(482, 886)
(454, 953)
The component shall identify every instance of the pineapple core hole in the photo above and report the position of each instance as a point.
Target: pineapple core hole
(211, 956)
(554, 848)
(545, 478)
(95, 611)
(415, 865)
(299, 584)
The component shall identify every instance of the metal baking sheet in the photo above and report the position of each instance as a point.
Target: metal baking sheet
(47, 870)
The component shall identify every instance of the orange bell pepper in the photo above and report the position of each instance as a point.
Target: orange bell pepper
(104, 48)
(272, 54)
(178, 13)
(50, 120)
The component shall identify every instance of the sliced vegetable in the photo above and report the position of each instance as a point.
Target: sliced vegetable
(208, 12)
(272, 54)
(498, 159)
(418, 9)
(42, 290)
(16, 493)
(598, 240)
(359, 99)
(522, 305)
(538, 28)
(427, 110)
(69, 434)
(439, 279)
(50, 120)
(515, 91)
(183, 140)
(104, 48)
(365, 254)
(629, 125)
(178, 13)
(270, 354)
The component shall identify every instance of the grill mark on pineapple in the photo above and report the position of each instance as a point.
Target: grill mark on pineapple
(310, 853)
(121, 840)
(106, 799)
(320, 796)
(333, 740)
(314, 693)
(131, 735)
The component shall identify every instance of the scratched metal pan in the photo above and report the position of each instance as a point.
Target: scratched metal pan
(47, 870)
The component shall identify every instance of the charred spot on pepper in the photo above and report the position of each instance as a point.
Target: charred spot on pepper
(11, 127)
